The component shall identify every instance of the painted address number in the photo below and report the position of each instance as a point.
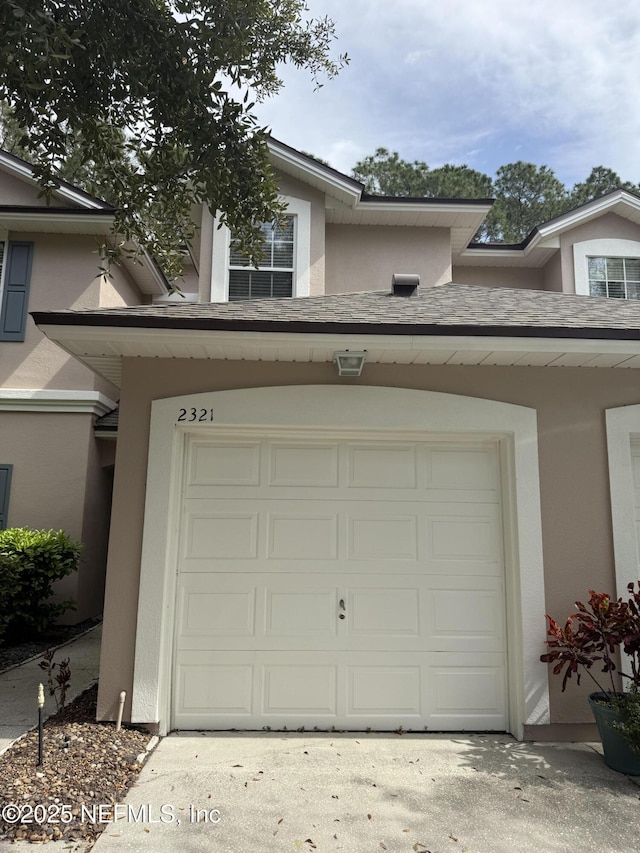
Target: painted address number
(194, 415)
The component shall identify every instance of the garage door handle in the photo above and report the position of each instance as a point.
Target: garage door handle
(342, 608)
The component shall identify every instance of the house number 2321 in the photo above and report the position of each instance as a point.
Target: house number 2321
(194, 415)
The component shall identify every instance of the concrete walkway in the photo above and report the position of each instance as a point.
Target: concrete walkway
(19, 686)
(231, 792)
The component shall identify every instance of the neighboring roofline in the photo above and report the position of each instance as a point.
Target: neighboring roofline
(583, 213)
(25, 170)
(354, 190)
(89, 319)
(45, 210)
(368, 198)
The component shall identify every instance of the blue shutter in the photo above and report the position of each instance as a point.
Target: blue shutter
(15, 296)
(5, 488)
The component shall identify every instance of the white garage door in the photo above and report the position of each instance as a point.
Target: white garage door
(335, 582)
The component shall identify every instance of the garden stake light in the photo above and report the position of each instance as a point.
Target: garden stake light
(40, 716)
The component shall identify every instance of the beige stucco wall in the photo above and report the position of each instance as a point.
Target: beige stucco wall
(576, 514)
(553, 273)
(14, 190)
(609, 225)
(64, 275)
(364, 257)
(58, 483)
(512, 277)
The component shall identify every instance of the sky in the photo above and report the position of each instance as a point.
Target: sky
(481, 82)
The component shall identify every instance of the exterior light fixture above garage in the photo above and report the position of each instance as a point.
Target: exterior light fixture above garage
(350, 363)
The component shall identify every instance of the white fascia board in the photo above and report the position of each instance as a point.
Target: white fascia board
(36, 400)
(288, 157)
(86, 224)
(24, 170)
(108, 341)
(589, 211)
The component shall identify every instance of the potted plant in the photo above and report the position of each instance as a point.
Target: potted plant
(596, 634)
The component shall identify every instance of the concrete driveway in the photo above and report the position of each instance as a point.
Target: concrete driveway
(233, 792)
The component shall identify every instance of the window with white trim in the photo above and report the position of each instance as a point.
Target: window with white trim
(618, 278)
(274, 275)
(607, 266)
(286, 270)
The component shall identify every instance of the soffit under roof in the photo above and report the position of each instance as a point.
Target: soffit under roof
(452, 325)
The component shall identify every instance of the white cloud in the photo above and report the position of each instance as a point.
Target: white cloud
(478, 82)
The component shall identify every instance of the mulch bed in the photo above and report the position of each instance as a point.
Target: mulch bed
(86, 765)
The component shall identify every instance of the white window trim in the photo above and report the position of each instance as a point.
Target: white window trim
(608, 247)
(296, 207)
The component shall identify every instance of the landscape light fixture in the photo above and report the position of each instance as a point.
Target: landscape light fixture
(350, 363)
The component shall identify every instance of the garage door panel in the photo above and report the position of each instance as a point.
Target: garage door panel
(298, 465)
(375, 690)
(302, 536)
(467, 692)
(229, 464)
(228, 535)
(347, 690)
(383, 538)
(212, 688)
(382, 466)
(209, 612)
(465, 468)
(308, 612)
(294, 689)
(403, 612)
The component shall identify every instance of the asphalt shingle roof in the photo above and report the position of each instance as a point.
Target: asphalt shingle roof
(446, 309)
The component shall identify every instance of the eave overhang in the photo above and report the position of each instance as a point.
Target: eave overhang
(103, 345)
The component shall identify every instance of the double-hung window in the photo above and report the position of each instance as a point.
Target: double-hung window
(275, 272)
(285, 268)
(618, 278)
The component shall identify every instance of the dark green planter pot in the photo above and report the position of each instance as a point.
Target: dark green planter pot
(617, 754)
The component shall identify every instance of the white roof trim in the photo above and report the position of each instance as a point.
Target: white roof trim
(586, 212)
(102, 348)
(346, 188)
(24, 170)
(35, 400)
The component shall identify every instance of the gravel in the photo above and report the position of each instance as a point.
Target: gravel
(86, 765)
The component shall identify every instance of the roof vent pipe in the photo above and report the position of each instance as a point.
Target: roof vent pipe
(405, 284)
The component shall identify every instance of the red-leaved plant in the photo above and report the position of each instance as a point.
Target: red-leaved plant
(594, 635)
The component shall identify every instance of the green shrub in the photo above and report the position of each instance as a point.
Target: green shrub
(30, 562)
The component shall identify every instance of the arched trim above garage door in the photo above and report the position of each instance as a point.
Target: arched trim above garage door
(362, 410)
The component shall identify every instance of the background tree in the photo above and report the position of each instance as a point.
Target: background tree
(525, 195)
(600, 181)
(140, 90)
(384, 173)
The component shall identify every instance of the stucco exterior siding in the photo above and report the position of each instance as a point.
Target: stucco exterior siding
(576, 513)
(364, 257)
(58, 483)
(64, 272)
(14, 190)
(517, 277)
